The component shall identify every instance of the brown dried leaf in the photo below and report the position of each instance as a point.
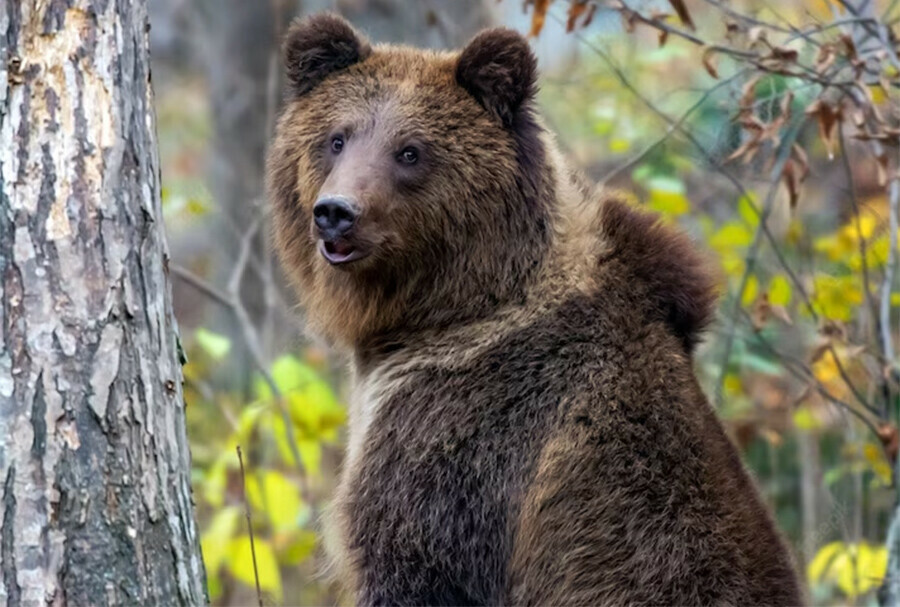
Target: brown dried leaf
(576, 9)
(828, 118)
(748, 92)
(783, 53)
(882, 168)
(781, 313)
(854, 351)
(709, 61)
(683, 14)
(827, 55)
(629, 18)
(834, 329)
(849, 46)
(890, 440)
(590, 15)
(785, 107)
(802, 160)
(791, 175)
(663, 37)
(538, 16)
(755, 35)
(759, 314)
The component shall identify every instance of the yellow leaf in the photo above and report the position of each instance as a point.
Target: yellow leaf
(240, 564)
(747, 209)
(779, 291)
(619, 145)
(836, 296)
(272, 493)
(826, 368)
(733, 385)
(750, 290)
(214, 483)
(667, 196)
(730, 236)
(820, 564)
(855, 568)
(875, 456)
(300, 548)
(805, 420)
(215, 540)
(311, 454)
(215, 345)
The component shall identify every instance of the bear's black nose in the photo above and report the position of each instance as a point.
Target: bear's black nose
(334, 216)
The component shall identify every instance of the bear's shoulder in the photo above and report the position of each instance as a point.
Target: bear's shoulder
(676, 278)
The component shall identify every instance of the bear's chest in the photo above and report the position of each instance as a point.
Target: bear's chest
(435, 478)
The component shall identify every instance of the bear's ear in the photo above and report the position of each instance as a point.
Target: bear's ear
(500, 71)
(316, 46)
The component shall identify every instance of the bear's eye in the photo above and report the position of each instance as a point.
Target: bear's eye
(409, 155)
(337, 144)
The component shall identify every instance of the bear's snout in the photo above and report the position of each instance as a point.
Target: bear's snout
(335, 216)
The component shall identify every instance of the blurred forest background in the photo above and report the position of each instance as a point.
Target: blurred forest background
(768, 130)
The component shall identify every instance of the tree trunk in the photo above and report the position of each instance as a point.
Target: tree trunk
(95, 500)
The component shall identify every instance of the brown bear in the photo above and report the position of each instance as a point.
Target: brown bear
(526, 426)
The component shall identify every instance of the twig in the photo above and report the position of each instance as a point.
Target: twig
(672, 128)
(668, 29)
(800, 371)
(888, 281)
(249, 526)
(775, 178)
(200, 284)
(231, 300)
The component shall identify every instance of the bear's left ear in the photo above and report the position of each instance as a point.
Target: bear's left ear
(500, 71)
(316, 46)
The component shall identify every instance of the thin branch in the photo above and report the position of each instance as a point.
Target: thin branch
(800, 371)
(200, 284)
(231, 300)
(672, 128)
(630, 13)
(750, 262)
(707, 156)
(888, 281)
(249, 526)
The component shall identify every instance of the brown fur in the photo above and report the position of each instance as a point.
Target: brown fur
(526, 426)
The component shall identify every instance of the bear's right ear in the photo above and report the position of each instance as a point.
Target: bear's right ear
(318, 45)
(500, 71)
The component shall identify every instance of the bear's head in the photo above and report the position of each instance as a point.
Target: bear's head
(411, 189)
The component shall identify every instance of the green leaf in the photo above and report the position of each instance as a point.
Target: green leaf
(240, 564)
(758, 363)
(215, 345)
(300, 548)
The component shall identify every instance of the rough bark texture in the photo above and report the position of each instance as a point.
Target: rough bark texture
(95, 501)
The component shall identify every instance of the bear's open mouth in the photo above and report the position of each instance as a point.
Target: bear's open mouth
(339, 251)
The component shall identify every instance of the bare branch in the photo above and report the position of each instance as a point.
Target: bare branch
(781, 159)
(249, 526)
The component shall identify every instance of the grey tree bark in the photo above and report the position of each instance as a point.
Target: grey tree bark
(95, 500)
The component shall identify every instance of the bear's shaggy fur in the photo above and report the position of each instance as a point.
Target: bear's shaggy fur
(526, 427)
